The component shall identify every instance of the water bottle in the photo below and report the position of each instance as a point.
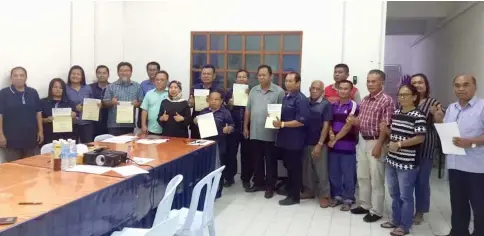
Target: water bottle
(72, 153)
(64, 155)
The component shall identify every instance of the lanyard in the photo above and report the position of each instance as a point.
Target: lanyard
(23, 95)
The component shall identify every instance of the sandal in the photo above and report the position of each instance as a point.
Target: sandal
(388, 225)
(398, 232)
(335, 203)
(418, 219)
(345, 207)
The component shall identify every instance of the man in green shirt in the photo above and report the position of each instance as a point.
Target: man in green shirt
(151, 105)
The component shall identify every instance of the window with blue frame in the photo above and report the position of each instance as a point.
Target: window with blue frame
(231, 51)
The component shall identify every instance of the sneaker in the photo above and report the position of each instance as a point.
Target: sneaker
(324, 202)
(345, 207)
(370, 218)
(288, 202)
(359, 211)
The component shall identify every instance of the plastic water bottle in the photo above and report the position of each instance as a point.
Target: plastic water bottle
(64, 155)
(72, 153)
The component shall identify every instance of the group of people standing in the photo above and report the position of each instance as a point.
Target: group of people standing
(329, 142)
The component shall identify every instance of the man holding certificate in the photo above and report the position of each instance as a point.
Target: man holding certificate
(291, 136)
(261, 138)
(151, 105)
(236, 100)
(199, 95)
(121, 98)
(466, 172)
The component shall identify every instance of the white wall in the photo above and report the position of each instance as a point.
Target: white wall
(398, 51)
(454, 49)
(59, 34)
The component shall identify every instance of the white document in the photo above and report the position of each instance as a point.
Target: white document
(90, 109)
(200, 98)
(129, 170)
(90, 169)
(446, 132)
(206, 125)
(200, 142)
(151, 141)
(240, 94)
(141, 160)
(120, 139)
(273, 111)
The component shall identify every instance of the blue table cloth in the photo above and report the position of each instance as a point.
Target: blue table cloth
(129, 203)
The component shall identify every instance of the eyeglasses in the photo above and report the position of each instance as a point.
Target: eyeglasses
(404, 95)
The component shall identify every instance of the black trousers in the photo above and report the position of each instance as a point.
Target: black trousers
(234, 140)
(194, 132)
(13, 154)
(265, 164)
(465, 188)
(293, 161)
(84, 133)
(120, 131)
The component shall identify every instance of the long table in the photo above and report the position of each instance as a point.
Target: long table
(88, 204)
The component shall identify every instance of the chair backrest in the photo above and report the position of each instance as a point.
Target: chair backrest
(46, 149)
(167, 227)
(102, 137)
(82, 148)
(212, 181)
(164, 207)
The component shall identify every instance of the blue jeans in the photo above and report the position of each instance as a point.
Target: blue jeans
(422, 186)
(342, 171)
(401, 184)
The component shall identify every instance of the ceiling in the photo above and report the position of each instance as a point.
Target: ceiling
(416, 18)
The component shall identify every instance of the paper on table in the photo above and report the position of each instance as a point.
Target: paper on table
(200, 98)
(240, 94)
(120, 139)
(62, 120)
(200, 142)
(151, 141)
(124, 112)
(129, 170)
(206, 125)
(141, 160)
(91, 169)
(447, 131)
(274, 110)
(90, 109)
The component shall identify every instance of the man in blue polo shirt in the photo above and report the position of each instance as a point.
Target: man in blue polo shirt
(98, 89)
(315, 163)
(20, 118)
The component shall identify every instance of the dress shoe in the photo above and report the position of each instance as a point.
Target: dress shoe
(254, 189)
(288, 201)
(246, 184)
(229, 183)
(269, 194)
(370, 218)
(359, 211)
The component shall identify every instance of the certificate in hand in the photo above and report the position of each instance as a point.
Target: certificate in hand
(124, 112)
(274, 110)
(62, 122)
(206, 125)
(447, 131)
(240, 94)
(200, 98)
(90, 109)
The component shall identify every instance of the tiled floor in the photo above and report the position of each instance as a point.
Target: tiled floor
(245, 214)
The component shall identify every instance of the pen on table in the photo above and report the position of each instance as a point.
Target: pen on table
(30, 203)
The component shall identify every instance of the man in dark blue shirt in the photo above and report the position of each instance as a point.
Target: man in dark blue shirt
(236, 138)
(208, 82)
(20, 118)
(291, 136)
(98, 88)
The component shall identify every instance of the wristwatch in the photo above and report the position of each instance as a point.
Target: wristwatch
(473, 145)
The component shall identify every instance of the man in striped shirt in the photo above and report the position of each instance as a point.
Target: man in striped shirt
(375, 108)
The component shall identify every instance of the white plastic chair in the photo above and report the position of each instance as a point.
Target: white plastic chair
(46, 149)
(82, 148)
(164, 228)
(193, 222)
(162, 214)
(102, 137)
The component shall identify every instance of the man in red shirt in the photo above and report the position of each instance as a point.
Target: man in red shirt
(341, 72)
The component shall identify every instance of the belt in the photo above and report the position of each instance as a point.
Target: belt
(367, 137)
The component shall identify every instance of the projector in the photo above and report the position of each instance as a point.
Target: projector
(105, 158)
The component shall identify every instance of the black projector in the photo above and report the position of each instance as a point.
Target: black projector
(105, 158)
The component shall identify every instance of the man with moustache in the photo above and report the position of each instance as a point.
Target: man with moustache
(466, 172)
(123, 89)
(98, 89)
